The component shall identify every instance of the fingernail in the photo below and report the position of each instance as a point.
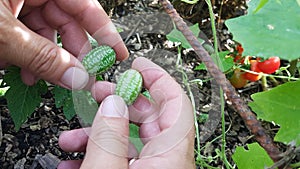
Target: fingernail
(113, 106)
(75, 78)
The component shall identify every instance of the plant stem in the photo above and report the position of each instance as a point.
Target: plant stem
(273, 80)
(264, 83)
(270, 75)
(214, 31)
(217, 61)
(295, 165)
(223, 132)
(187, 85)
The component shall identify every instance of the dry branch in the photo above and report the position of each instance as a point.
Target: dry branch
(238, 104)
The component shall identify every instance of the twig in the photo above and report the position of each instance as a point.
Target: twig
(132, 31)
(240, 106)
(287, 157)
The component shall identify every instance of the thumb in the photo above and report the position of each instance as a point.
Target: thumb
(41, 57)
(108, 142)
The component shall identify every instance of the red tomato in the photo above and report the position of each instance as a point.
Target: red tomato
(239, 49)
(237, 80)
(270, 65)
(238, 59)
(250, 76)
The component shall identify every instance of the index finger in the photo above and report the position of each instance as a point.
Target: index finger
(164, 90)
(92, 17)
(156, 80)
(175, 112)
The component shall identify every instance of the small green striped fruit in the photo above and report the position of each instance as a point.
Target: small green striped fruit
(99, 60)
(129, 86)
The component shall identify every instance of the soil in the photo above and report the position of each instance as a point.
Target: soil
(144, 28)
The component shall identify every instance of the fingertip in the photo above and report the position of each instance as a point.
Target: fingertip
(132, 151)
(113, 106)
(107, 34)
(139, 60)
(74, 78)
(150, 71)
(101, 89)
(74, 140)
(121, 51)
(109, 135)
(62, 141)
(70, 164)
(27, 77)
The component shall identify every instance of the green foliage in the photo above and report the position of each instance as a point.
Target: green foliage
(281, 106)
(254, 157)
(202, 117)
(63, 98)
(226, 62)
(22, 99)
(3, 89)
(99, 77)
(271, 31)
(146, 93)
(135, 137)
(93, 41)
(260, 5)
(85, 106)
(190, 1)
(176, 36)
(298, 66)
(80, 103)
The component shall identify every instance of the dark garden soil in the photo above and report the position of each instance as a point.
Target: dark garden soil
(144, 26)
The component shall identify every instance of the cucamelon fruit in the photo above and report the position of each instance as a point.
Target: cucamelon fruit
(99, 60)
(129, 86)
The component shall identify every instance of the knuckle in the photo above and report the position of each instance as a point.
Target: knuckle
(43, 62)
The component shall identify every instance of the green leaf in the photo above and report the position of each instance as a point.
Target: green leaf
(176, 36)
(260, 5)
(99, 77)
(202, 117)
(3, 88)
(63, 98)
(3, 91)
(93, 41)
(254, 157)
(85, 106)
(76, 102)
(298, 66)
(22, 99)
(190, 1)
(200, 67)
(147, 94)
(135, 137)
(272, 31)
(226, 62)
(281, 106)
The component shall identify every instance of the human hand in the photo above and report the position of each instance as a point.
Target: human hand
(166, 127)
(28, 35)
